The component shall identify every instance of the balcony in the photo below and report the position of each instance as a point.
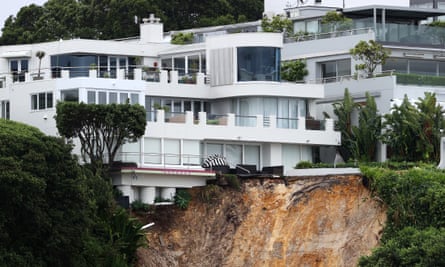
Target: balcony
(135, 74)
(231, 127)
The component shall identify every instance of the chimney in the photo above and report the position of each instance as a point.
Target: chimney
(151, 30)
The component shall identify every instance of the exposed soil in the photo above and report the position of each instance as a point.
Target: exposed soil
(321, 221)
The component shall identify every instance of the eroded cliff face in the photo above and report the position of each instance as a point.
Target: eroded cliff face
(313, 221)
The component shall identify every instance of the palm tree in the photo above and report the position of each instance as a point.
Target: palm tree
(40, 55)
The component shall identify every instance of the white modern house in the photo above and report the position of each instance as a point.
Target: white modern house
(221, 94)
(416, 64)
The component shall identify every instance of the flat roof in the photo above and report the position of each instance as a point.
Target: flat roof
(394, 12)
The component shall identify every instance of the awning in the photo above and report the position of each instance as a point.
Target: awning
(16, 54)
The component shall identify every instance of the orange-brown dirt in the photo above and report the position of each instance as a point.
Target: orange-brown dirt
(312, 221)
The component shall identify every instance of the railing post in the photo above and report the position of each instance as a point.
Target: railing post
(200, 78)
(259, 121)
(160, 116)
(174, 77)
(329, 125)
(65, 74)
(188, 117)
(138, 74)
(163, 76)
(202, 118)
(301, 123)
(273, 121)
(230, 119)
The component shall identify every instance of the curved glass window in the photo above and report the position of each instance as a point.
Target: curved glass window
(258, 63)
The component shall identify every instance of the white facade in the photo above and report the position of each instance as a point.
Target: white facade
(220, 95)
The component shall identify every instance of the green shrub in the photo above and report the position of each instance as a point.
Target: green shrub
(414, 233)
(138, 205)
(417, 79)
(304, 165)
(182, 38)
(182, 198)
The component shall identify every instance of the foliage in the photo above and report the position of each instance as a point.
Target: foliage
(343, 110)
(304, 165)
(371, 54)
(437, 29)
(182, 38)
(294, 70)
(359, 142)
(414, 234)
(368, 131)
(334, 21)
(109, 19)
(182, 198)
(53, 212)
(417, 79)
(413, 132)
(101, 129)
(138, 205)
(40, 55)
(277, 23)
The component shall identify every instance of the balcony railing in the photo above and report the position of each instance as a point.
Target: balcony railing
(232, 120)
(418, 79)
(154, 76)
(327, 35)
(350, 77)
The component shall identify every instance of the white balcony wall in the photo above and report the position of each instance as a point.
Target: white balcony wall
(382, 88)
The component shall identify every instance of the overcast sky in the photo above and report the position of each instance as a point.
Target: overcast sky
(12, 7)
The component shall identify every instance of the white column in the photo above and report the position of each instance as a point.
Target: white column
(148, 195)
(160, 116)
(121, 74)
(189, 117)
(168, 193)
(301, 123)
(230, 119)
(93, 73)
(200, 78)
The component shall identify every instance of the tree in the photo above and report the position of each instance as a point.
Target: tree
(277, 23)
(109, 19)
(334, 21)
(368, 131)
(54, 212)
(413, 132)
(432, 124)
(40, 55)
(343, 110)
(402, 131)
(294, 70)
(101, 129)
(371, 54)
(40, 179)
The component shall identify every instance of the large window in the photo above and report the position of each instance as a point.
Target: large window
(80, 64)
(70, 95)
(18, 68)
(258, 63)
(236, 153)
(42, 101)
(415, 66)
(331, 70)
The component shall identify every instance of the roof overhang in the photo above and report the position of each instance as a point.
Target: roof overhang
(16, 54)
(393, 12)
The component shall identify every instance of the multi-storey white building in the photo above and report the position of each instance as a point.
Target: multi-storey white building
(222, 94)
(416, 64)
